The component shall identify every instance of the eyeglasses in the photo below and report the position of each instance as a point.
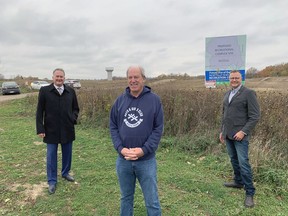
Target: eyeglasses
(234, 78)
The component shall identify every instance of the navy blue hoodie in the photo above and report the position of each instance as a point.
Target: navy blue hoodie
(137, 122)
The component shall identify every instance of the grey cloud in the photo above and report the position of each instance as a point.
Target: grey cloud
(244, 3)
(143, 33)
(32, 28)
(138, 56)
(163, 35)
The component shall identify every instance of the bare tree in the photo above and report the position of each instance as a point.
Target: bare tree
(251, 72)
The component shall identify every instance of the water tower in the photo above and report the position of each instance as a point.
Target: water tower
(109, 72)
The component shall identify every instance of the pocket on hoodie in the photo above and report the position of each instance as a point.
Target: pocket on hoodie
(134, 141)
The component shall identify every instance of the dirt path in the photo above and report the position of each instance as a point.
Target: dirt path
(13, 97)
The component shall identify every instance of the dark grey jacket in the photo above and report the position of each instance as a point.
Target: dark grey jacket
(242, 113)
(57, 114)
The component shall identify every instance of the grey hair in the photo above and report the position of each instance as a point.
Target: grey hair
(140, 68)
(59, 69)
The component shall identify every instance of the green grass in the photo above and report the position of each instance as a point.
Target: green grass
(188, 184)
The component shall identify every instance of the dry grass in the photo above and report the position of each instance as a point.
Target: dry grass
(192, 118)
(190, 109)
(192, 114)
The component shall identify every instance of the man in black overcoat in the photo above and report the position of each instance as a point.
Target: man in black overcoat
(57, 113)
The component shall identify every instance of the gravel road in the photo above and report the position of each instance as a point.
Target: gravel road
(13, 97)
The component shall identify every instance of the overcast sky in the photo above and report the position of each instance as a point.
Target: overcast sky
(164, 36)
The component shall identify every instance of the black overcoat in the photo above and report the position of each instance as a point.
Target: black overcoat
(57, 114)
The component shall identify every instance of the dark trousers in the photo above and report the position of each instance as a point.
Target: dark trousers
(51, 163)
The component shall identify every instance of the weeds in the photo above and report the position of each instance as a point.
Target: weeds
(192, 122)
(189, 183)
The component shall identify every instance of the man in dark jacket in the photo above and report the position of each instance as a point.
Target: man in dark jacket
(57, 113)
(136, 126)
(240, 115)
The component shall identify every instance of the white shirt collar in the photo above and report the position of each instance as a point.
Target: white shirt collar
(57, 87)
(236, 89)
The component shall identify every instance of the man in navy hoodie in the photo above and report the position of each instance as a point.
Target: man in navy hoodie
(136, 126)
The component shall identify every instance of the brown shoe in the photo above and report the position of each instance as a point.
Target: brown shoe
(249, 203)
(233, 185)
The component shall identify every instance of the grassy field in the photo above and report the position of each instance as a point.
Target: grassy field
(188, 184)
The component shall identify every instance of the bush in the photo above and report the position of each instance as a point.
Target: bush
(192, 123)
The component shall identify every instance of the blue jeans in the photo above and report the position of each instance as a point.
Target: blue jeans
(51, 163)
(146, 173)
(238, 152)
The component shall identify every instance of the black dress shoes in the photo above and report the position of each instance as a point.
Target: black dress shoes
(69, 178)
(233, 185)
(52, 189)
(249, 203)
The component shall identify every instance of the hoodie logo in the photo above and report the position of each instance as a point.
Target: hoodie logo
(133, 117)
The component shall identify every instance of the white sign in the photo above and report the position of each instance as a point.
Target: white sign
(224, 54)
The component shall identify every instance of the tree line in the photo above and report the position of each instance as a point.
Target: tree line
(269, 71)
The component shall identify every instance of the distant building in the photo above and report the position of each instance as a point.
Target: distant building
(109, 72)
